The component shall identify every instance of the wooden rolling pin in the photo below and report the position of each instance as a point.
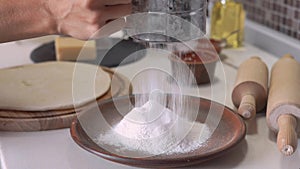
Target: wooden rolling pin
(284, 103)
(251, 89)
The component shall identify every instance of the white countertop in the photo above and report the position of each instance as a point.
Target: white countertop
(56, 149)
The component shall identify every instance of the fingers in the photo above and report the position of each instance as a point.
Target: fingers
(84, 31)
(111, 9)
(118, 11)
(116, 2)
(96, 4)
(111, 28)
(84, 18)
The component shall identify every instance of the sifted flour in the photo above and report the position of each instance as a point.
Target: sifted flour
(154, 130)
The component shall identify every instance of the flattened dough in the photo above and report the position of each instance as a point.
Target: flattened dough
(51, 86)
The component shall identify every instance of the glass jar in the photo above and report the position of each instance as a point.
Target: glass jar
(167, 20)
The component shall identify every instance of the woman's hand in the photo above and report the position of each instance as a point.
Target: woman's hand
(76, 18)
(82, 18)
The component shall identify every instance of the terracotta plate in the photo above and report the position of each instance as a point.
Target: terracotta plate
(230, 131)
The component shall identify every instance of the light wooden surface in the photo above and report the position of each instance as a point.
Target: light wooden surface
(251, 88)
(57, 119)
(284, 103)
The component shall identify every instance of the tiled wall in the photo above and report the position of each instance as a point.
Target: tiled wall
(281, 15)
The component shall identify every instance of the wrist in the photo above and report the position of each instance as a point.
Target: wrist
(23, 20)
(57, 11)
(50, 20)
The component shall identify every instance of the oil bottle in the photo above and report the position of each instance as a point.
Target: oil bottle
(228, 16)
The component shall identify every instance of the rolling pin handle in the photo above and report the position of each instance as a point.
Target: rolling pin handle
(287, 137)
(247, 108)
(289, 56)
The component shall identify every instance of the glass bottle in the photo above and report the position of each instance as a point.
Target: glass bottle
(228, 16)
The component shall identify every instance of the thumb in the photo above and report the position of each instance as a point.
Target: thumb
(110, 28)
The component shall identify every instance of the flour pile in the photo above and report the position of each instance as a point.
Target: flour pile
(154, 129)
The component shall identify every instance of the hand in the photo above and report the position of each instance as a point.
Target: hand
(83, 18)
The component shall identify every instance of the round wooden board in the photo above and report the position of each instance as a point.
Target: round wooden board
(57, 119)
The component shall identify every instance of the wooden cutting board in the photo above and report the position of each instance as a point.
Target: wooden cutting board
(57, 119)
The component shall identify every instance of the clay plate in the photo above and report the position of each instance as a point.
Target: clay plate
(230, 131)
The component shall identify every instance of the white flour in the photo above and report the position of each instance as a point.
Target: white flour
(155, 130)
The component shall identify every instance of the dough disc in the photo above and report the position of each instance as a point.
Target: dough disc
(51, 86)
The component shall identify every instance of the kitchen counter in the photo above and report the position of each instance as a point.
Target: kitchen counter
(56, 149)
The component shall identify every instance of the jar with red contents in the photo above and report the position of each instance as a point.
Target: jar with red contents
(201, 64)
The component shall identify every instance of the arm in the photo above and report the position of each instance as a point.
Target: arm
(77, 18)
